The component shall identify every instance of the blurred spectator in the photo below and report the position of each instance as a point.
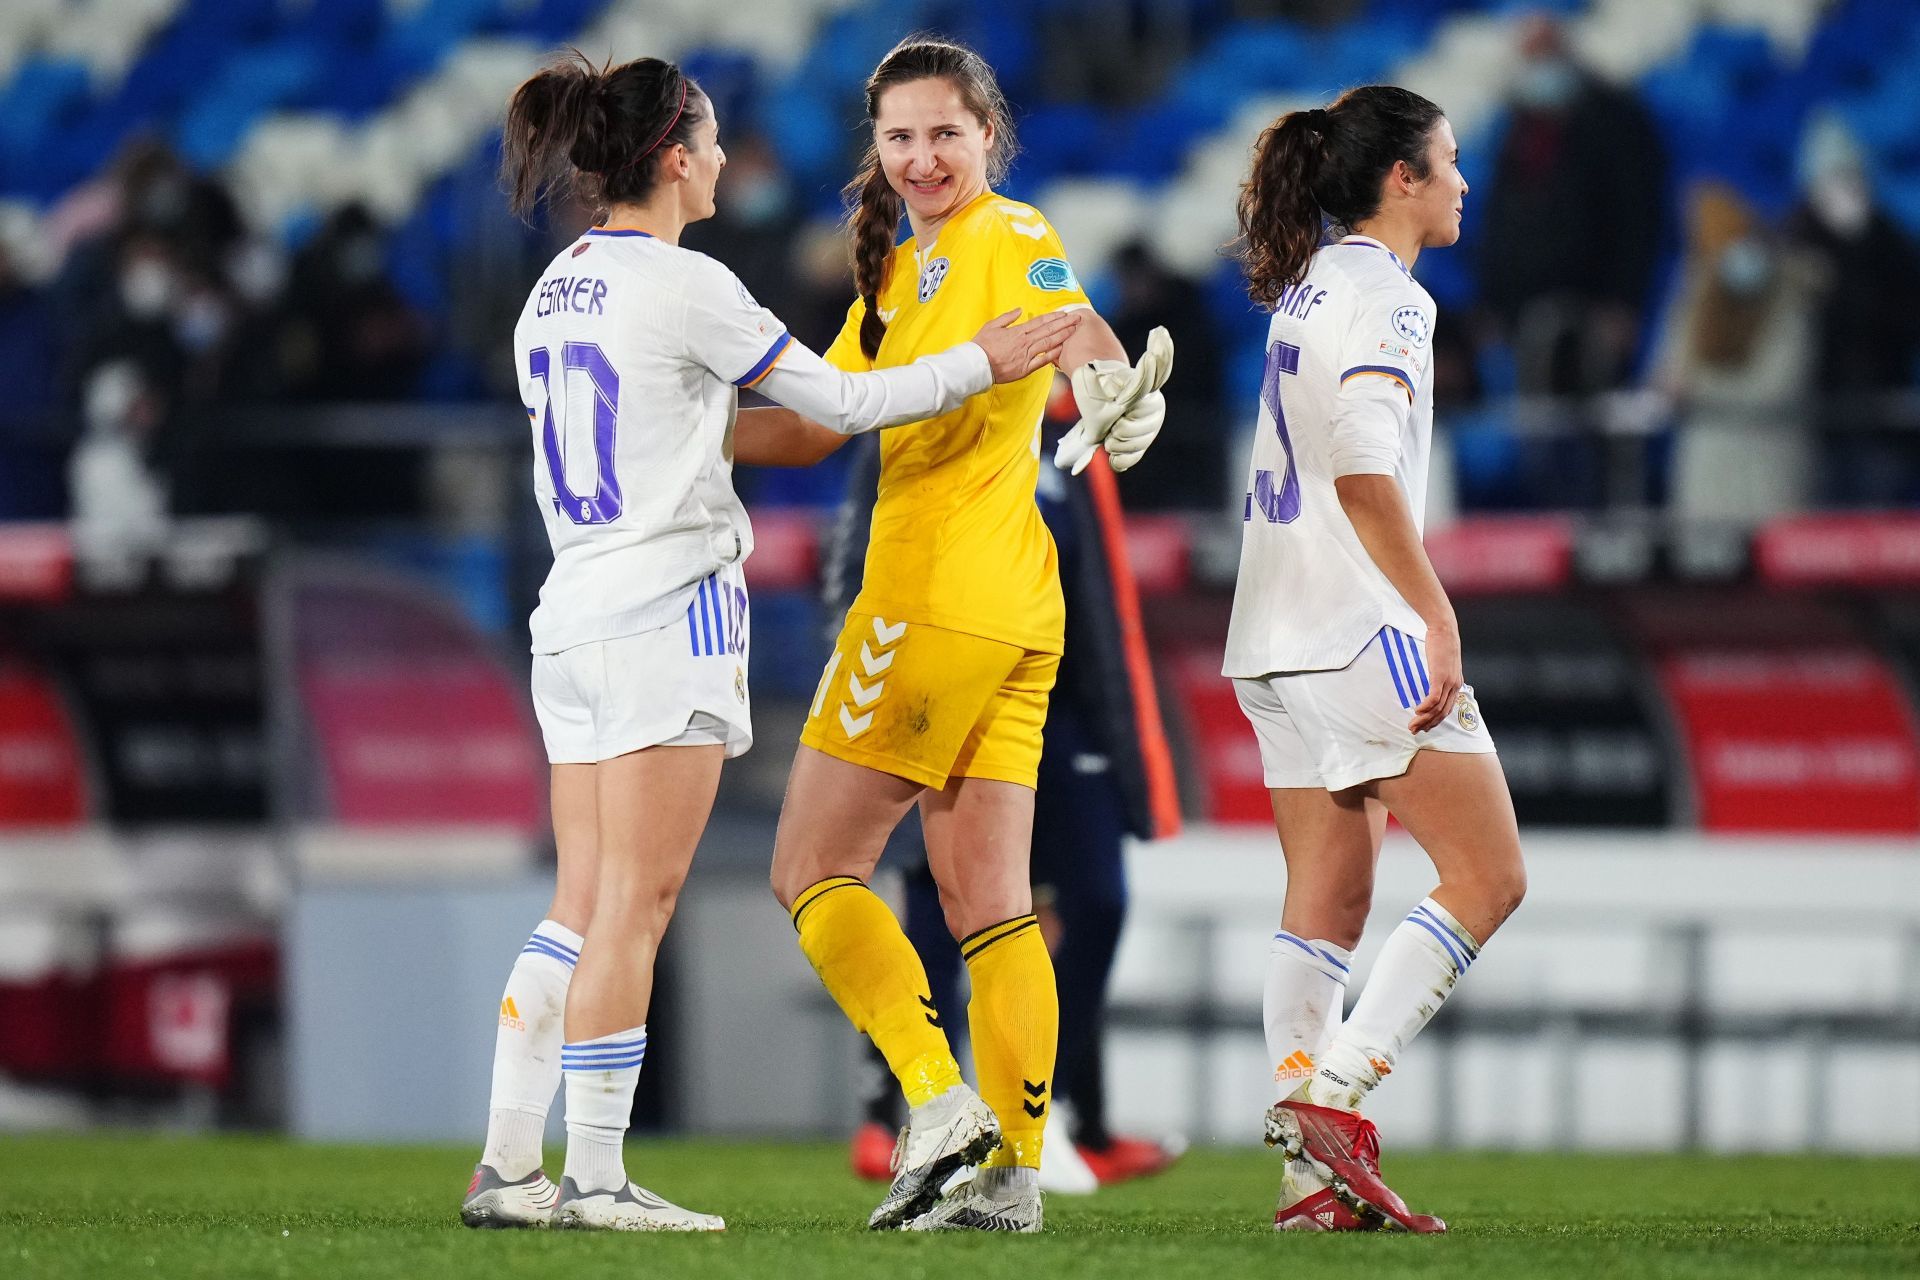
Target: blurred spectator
(350, 334)
(1571, 221)
(1737, 356)
(29, 483)
(119, 499)
(1868, 332)
(1869, 328)
(1191, 469)
(753, 229)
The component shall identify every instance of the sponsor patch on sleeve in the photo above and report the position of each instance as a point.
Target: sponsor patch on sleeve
(1395, 349)
(1052, 274)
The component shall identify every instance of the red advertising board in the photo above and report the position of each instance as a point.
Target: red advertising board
(1816, 739)
(42, 777)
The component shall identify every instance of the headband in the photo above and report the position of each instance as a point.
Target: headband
(677, 111)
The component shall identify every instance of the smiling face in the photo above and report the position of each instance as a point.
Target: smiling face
(933, 150)
(1438, 199)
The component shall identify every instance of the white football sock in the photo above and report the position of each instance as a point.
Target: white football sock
(1005, 1184)
(1417, 969)
(601, 1076)
(1306, 985)
(526, 1050)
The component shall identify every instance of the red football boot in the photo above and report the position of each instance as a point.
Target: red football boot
(873, 1151)
(1124, 1159)
(1346, 1148)
(1322, 1211)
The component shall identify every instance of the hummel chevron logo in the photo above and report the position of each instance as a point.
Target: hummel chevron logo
(1034, 1090)
(873, 665)
(885, 634)
(933, 1014)
(864, 695)
(1035, 1111)
(854, 725)
(1031, 230)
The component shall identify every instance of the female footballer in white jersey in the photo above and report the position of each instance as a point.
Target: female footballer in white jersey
(1343, 648)
(630, 353)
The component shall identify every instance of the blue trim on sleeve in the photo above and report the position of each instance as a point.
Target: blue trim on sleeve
(759, 370)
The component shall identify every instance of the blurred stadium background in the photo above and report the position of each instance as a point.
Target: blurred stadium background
(271, 805)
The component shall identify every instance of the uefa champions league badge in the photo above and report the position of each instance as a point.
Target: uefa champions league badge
(1411, 324)
(932, 276)
(1464, 709)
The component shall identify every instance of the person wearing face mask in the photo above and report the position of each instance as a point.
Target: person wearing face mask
(1573, 215)
(1867, 331)
(938, 687)
(1736, 356)
(630, 352)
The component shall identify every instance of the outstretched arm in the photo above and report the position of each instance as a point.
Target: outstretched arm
(777, 437)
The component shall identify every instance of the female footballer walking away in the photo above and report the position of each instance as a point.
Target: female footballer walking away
(937, 689)
(630, 352)
(1343, 648)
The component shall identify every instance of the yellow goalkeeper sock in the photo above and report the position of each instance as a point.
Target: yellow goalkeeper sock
(875, 976)
(1015, 1022)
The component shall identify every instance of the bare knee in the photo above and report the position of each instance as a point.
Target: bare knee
(1483, 897)
(1333, 910)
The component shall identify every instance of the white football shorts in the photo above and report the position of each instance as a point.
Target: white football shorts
(684, 684)
(1337, 729)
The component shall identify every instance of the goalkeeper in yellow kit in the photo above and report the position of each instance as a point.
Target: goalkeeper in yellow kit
(937, 689)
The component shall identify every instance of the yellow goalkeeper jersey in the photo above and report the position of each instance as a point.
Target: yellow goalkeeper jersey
(957, 540)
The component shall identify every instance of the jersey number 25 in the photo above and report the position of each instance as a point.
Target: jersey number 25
(603, 505)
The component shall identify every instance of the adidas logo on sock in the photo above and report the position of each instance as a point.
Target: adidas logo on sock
(1298, 1066)
(510, 1015)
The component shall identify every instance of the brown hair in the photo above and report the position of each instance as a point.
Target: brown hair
(1311, 168)
(591, 132)
(874, 208)
(1723, 326)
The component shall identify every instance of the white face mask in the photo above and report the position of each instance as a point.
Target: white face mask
(1546, 84)
(1841, 201)
(146, 288)
(1746, 267)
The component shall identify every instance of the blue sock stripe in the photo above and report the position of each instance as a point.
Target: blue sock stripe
(1386, 649)
(541, 947)
(635, 1051)
(1334, 960)
(612, 1046)
(1302, 943)
(555, 942)
(1473, 952)
(612, 1064)
(1447, 940)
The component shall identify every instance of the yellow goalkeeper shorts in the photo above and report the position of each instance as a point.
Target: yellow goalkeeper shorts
(928, 704)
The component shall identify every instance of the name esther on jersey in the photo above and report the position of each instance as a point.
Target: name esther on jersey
(582, 295)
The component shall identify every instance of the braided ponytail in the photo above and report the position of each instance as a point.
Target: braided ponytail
(875, 220)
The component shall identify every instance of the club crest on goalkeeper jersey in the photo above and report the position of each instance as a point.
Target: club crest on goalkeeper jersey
(957, 541)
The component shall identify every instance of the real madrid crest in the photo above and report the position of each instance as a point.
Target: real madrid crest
(740, 683)
(1465, 711)
(932, 276)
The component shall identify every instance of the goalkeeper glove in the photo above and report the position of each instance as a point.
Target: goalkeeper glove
(1120, 407)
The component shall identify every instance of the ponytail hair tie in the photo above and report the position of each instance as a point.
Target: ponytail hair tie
(1316, 119)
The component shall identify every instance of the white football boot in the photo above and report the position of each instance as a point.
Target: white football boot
(492, 1201)
(968, 1208)
(631, 1208)
(942, 1137)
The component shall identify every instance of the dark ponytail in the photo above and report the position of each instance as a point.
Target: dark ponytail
(1317, 168)
(595, 132)
(874, 208)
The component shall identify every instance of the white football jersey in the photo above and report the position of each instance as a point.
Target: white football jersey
(630, 353)
(1348, 390)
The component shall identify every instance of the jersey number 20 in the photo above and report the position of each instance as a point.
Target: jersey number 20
(603, 505)
(1277, 497)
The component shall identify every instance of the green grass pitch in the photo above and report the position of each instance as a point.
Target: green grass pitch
(123, 1206)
